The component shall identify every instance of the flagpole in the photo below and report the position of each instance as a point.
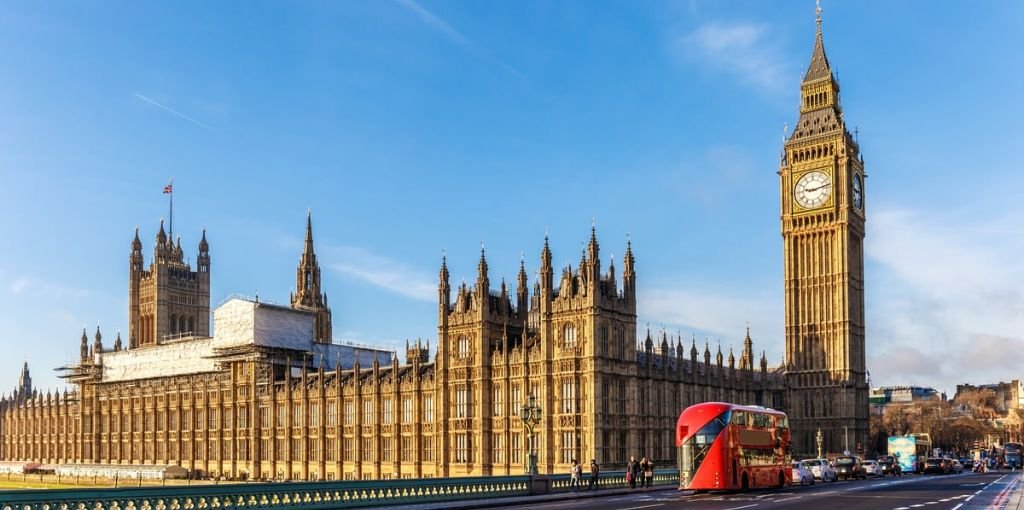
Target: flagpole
(172, 208)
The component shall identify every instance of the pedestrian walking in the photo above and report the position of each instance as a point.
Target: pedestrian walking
(595, 473)
(632, 470)
(648, 467)
(574, 475)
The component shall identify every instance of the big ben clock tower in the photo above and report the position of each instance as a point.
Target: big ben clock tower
(823, 199)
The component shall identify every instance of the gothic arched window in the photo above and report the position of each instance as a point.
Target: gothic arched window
(462, 347)
(569, 336)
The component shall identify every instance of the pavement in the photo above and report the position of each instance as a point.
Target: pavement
(1015, 501)
(993, 491)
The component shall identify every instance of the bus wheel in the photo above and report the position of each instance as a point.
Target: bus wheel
(746, 482)
(782, 480)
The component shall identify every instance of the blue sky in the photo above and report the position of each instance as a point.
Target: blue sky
(412, 127)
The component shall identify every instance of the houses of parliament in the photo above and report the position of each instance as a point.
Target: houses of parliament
(268, 395)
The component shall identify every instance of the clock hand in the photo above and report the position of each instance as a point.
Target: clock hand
(819, 187)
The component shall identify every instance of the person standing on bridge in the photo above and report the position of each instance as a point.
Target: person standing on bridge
(574, 476)
(595, 473)
(632, 471)
(648, 472)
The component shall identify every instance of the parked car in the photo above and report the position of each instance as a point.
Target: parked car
(888, 464)
(968, 464)
(957, 466)
(821, 468)
(871, 468)
(848, 466)
(801, 474)
(936, 466)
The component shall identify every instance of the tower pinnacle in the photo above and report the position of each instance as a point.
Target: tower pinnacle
(308, 293)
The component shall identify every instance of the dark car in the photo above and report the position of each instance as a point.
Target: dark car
(968, 464)
(888, 463)
(849, 466)
(937, 466)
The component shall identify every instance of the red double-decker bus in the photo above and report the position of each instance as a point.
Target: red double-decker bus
(727, 447)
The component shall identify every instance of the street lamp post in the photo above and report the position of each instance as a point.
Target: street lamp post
(530, 414)
(820, 440)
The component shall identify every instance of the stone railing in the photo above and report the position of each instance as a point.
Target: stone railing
(315, 495)
(310, 495)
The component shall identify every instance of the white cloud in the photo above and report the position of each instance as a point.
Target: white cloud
(19, 285)
(28, 285)
(745, 50)
(945, 303)
(381, 271)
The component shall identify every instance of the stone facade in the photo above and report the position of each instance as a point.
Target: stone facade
(822, 183)
(266, 398)
(168, 299)
(280, 404)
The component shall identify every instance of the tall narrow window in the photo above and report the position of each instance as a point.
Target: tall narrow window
(367, 412)
(462, 448)
(498, 402)
(461, 402)
(387, 412)
(569, 396)
(367, 449)
(569, 336)
(332, 414)
(350, 413)
(407, 410)
(428, 408)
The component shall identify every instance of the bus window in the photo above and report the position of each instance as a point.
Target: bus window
(739, 418)
(762, 421)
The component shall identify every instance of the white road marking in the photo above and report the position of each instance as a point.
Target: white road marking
(958, 506)
(643, 506)
(739, 507)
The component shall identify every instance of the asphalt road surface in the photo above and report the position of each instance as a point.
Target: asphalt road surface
(968, 491)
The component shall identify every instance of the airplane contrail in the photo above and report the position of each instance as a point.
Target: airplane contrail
(177, 113)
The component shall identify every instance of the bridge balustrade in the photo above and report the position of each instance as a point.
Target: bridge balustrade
(307, 495)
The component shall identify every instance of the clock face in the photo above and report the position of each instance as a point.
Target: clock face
(858, 192)
(813, 189)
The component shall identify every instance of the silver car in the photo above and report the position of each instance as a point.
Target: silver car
(871, 468)
(802, 474)
(821, 468)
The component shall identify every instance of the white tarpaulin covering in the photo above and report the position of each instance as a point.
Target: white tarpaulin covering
(240, 322)
(237, 323)
(179, 358)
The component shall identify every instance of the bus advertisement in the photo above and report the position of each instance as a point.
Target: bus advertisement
(910, 450)
(728, 447)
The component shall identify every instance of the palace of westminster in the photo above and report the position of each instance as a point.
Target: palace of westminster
(269, 395)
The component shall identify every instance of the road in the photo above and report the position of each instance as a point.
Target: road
(968, 491)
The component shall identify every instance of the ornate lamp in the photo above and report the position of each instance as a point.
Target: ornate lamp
(530, 414)
(819, 440)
